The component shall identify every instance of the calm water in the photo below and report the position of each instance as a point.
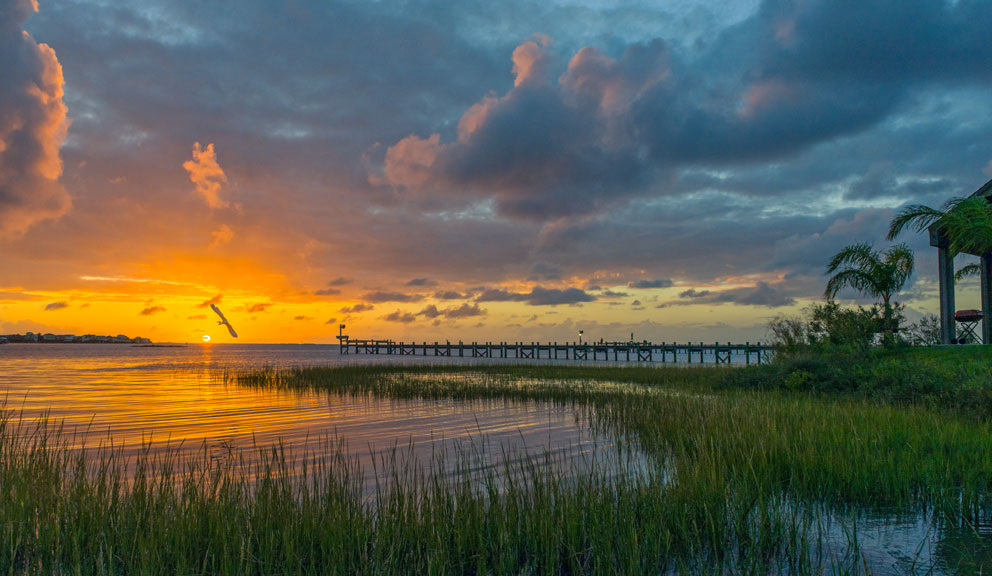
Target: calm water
(172, 395)
(169, 395)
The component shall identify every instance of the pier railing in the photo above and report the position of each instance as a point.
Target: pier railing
(688, 353)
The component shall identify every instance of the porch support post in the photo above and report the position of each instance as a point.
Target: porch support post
(945, 276)
(987, 299)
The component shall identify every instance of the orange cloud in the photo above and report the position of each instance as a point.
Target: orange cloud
(531, 60)
(221, 235)
(206, 174)
(409, 161)
(764, 95)
(152, 310)
(34, 125)
(215, 300)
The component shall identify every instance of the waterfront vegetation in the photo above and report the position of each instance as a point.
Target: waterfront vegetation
(744, 470)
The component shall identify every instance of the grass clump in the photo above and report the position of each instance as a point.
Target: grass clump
(736, 479)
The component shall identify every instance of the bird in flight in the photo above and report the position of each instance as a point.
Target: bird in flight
(223, 321)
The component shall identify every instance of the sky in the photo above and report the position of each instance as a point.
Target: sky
(474, 170)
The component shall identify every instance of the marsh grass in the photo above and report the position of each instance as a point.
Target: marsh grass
(738, 481)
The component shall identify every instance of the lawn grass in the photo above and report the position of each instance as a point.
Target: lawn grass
(739, 480)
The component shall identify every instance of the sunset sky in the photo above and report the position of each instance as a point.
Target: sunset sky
(428, 169)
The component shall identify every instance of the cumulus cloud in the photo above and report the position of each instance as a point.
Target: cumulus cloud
(400, 316)
(646, 284)
(215, 300)
(56, 306)
(793, 75)
(464, 311)
(538, 296)
(761, 294)
(356, 308)
(379, 297)
(612, 294)
(448, 295)
(33, 125)
(152, 310)
(206, 175)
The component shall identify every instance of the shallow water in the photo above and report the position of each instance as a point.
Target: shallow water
(177, 397)
(178, 394)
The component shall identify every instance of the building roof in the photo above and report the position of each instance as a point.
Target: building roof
(985, 190)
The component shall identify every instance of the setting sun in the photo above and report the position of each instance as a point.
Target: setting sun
(206, 337)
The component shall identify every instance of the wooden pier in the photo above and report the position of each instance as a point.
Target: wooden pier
(664, 353)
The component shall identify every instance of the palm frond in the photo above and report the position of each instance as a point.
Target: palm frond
(858, 255)
(966, 271)
(968, 226)
(916, 216)
(859, 280)
(899, 263)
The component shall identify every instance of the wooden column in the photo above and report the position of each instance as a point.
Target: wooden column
(987, 299)
(945, 276)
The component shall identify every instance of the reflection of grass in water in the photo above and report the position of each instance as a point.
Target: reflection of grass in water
(730, 467)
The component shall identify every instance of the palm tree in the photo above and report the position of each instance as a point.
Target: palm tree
(966, 223)
(872, 273)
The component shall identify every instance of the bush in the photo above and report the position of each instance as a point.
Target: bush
(925, 332)
(823, 327)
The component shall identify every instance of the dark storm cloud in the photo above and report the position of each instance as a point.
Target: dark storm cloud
(763, 146)
(538, 296)
(761, 294)
(544, 271)
(693, 293)
(794, 75)
(379, 297)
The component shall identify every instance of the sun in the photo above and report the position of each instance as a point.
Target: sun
(206, 337)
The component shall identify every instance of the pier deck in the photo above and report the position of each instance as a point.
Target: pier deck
(688, 353)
